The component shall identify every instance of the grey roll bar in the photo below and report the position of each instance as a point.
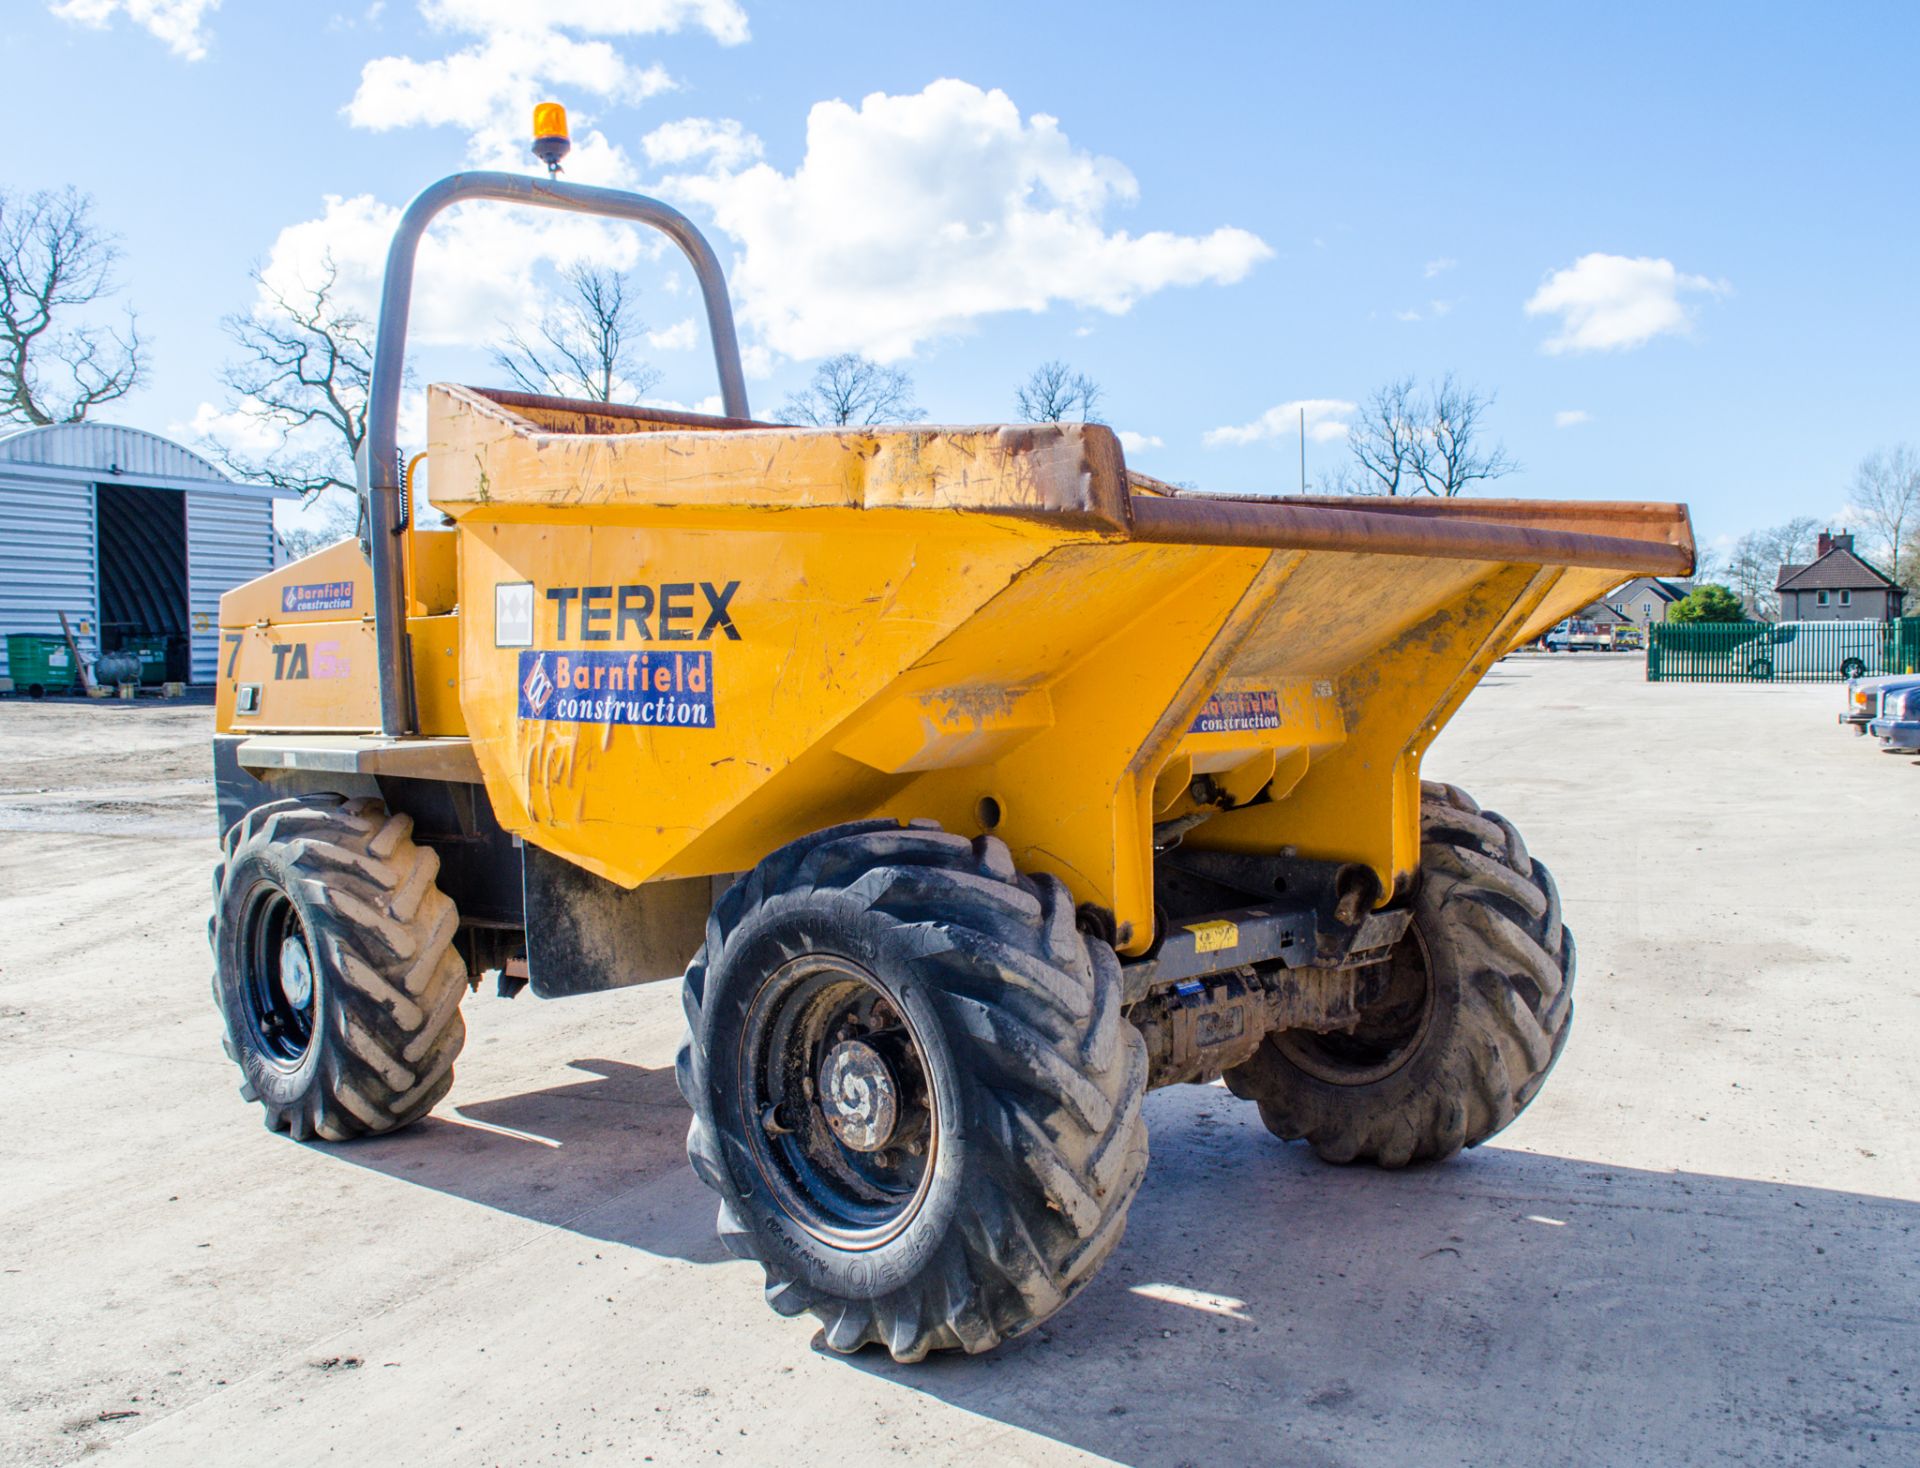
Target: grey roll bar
(380, 486)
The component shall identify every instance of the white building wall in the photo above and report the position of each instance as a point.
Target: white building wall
(46, 557)
(229, 540)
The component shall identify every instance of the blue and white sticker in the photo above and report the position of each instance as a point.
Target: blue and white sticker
(317, 596)
(656, 690)
(1238, 710)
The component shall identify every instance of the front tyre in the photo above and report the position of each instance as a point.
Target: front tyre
(1478, 1007)
(334, 967)
(912, 1088)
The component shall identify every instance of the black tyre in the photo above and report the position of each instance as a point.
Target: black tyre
(1853, 668)
(334, 967)
(912, 1088)
(1760, 668)
(1479, 1008)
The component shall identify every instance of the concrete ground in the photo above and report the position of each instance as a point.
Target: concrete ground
(1701, 1245)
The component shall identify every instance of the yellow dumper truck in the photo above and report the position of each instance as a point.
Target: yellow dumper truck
(969, 784)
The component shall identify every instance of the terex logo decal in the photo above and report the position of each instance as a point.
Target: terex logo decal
(644, 613)
(662, 690)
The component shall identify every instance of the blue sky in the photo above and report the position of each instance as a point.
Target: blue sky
(1214, 211)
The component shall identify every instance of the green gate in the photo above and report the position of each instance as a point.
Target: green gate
(1780, 652)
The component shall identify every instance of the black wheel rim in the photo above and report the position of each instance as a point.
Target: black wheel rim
(839, 1112)
(1389, 1033)
(279, 980)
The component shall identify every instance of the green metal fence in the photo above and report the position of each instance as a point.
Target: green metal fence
(1780, 652)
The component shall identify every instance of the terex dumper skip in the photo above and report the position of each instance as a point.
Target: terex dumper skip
(974, 784)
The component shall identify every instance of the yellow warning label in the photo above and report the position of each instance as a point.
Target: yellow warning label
(1212, 937)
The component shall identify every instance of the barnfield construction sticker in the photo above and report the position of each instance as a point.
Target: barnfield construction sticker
(1234, 711)
(660, 690)
(317, 596)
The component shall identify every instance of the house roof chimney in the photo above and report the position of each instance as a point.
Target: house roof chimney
(1825, 545)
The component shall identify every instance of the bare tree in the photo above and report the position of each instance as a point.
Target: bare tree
(302, 378)
(1793, 543)
(1752, 568)
(1448, 454)
(53, 262)
(1385, 440)
(584, 347)
(1055, 393)
(851, 389)
(334, 518)
(1886, 495)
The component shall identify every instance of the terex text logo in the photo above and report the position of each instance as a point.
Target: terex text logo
(645, 613)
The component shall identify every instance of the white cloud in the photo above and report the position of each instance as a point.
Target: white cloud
(246, 433)
(1407, 315)
(485, 263)
(496, 83)
(1617, 302)
(725, 144)
(1139, 443)
(177, 22)
(912, 216)
(474, 264)
(679, 337)
(1325, 420)
(1439, 267)
(723, 19)
(1571, 418)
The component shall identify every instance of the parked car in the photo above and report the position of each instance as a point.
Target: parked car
(1818, 649)
(1864, 696)
(1898, 726)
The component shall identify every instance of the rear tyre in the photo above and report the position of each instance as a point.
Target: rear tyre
(1853, 668)
(334, 967)
(912, 1088)
(1479, 1008)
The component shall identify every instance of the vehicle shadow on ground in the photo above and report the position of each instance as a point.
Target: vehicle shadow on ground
(576, 1156)
(1265, 1308)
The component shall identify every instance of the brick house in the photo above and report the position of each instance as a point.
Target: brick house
(1836, 586)
(1646, 599)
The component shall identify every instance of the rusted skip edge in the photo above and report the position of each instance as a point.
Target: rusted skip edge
(1193, 521)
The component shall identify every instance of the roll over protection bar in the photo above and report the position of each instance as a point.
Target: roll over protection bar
(379, 469)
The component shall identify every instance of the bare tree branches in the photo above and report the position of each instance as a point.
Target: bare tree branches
(851, 389)
(585, 348)
(334, 518)
(1055, 393)
(1886, 496)
(53, 261)
(302, 381)
(1384, 440)
(1408, 442)
(1754, 564)
(1448, 455)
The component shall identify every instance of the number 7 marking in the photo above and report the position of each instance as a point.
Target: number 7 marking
(232, 640)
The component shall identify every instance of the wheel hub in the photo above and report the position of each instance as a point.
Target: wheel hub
(296, 972)
(859, 1096)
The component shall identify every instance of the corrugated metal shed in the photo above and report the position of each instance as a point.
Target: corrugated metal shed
(50, 544)
(229, 541)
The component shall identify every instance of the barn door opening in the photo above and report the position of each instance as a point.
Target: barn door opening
(143, 577)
